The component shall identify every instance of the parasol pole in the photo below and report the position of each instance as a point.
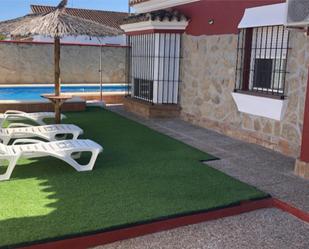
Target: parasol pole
(100, 70)
(57, 79)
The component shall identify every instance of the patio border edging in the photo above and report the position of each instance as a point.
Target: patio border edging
(302, 215)
(103, 238)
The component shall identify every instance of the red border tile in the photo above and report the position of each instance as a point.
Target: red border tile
(291, 210)
(140, 230)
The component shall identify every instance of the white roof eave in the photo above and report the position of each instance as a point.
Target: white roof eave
(268, 15)
(153, 5)
(155, 25)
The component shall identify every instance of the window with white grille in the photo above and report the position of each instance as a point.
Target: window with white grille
(262, 60)
(154, 67)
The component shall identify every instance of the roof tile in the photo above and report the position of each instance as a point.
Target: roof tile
(133, 2)
(159, 15)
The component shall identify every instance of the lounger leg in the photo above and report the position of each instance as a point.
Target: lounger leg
(77, 155)
(93, 159)
(75, 135)
(9, 171)
(87, 167)
(6, 140)
(65, 136)
(2, 122)
(57, 137)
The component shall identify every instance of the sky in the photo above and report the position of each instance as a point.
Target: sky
(15, 8)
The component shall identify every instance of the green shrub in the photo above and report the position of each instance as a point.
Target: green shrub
(2, 37)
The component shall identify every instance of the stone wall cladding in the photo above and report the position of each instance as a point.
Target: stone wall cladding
(33, 63)
(208, 78)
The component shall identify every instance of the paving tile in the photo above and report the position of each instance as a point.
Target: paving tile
(266, 167)
(279, 166)
(242, 150)
(197, 133)
(222, 163)
(176, 124)
(223, 154)
(207, 149)
(289, 190)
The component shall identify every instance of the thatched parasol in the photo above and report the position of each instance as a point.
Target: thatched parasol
(55, 24)
(6, 27)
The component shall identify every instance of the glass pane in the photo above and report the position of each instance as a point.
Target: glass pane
(263, 73)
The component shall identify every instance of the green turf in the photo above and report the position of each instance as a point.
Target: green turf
(141, 176)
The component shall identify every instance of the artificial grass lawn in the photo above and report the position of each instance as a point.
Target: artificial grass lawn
(141, 176)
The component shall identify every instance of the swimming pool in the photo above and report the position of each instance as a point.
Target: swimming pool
(35, 92)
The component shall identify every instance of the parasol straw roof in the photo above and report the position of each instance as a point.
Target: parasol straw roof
(6, 27)
(56, 23)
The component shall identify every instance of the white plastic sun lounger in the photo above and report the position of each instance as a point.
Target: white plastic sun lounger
(36, 117)
(46, 132)
(64, 150)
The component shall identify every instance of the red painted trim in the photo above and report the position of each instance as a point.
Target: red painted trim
(247, 59)
(140, 230)
(155, 31)
(291, 210)
(304, 156)
(65, 44)
(225, 13)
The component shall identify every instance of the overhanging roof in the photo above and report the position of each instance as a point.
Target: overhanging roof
(268, 15)
(156, 20)
(160, 15)
(132, 2)
(144, 6)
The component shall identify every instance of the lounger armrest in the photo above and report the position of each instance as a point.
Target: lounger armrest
(17, 125)
(14, 112)
(7, 157)
(27, 141)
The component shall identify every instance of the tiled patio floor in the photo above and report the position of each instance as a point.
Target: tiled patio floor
(263, 168)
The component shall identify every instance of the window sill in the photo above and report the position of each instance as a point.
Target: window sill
(273, 108)
(263, 94)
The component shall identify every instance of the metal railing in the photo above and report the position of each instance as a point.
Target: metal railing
(262, 60)
(154, 67)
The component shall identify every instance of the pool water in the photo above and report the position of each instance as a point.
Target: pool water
(35, 92)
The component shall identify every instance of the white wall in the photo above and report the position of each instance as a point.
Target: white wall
(31, 63)
(121, 40)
